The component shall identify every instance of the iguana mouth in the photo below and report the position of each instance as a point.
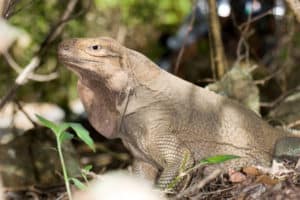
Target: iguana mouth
(77, 64)
(78, 61)
(73, 64)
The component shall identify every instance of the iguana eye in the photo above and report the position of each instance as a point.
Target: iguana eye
(100, 51)
(96, 47)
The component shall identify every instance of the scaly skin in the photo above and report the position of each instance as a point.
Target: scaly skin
(160, 118)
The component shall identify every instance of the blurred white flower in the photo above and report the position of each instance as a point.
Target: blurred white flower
(120, 185)
(76, 106)
(8, 34)
(17, 119)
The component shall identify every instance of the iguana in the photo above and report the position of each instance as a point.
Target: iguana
(161, 118)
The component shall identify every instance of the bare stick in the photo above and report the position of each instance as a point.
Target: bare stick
(256, 18)
(2, 7)
(35, 61)
(190, 28)
(32, 76)
(20, 107)
(214, 192)
(268, 77)
(58, 28)
(200, 185)
(280, 98)
(293, 124)
(6, 7)
(243, 41)
(10, 10)
(22, 78)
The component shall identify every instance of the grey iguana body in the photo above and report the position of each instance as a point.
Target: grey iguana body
(160, 118)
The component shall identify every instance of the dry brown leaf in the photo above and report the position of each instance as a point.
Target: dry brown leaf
(266, 180)
(236, 176)
(251, 171)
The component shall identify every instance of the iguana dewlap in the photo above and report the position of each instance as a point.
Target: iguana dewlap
(160, 118)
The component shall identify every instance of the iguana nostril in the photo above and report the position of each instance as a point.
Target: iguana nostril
(65, 47)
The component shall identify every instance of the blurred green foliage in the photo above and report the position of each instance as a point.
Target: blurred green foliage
(166, 12)
(36, 18)
(104, 17)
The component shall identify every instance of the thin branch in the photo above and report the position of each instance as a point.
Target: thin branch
(35, 61)
(20, 107)
(32, 76)
(280, 98)
(243, 40)
(190, 28)
(293, 124)
(7, 9)
(2, 7)
(207, 179)
(9, 95)
(192, 189)
(58, 27)
(33, 64)
(10, 11)
(20, 80)
(245, 34)
(243, 43)
(206, 80)
(269, 77)
(256, 18)
(215, 192)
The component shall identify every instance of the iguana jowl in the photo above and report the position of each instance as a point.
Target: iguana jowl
(160, 118)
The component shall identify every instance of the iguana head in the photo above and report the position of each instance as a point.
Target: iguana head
(106, 70)
(99, 59)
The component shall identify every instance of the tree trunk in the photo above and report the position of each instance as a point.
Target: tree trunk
(217, 50)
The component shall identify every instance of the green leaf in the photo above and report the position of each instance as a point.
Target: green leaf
(54, 127)
(87, 168)
(62, 127)
(78, 183)
(65, 136)
(218, 159)
(85, 171)
(83, 134)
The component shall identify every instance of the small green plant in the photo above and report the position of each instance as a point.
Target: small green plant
(61, 135)
(182, 169)
(84, 172)
(206, 161)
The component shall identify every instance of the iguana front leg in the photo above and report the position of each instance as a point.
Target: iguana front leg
(148, 134)
(170, 154)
